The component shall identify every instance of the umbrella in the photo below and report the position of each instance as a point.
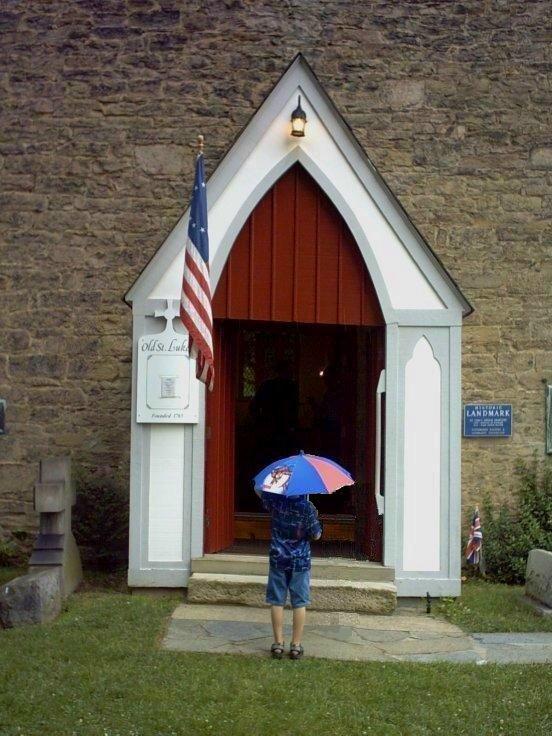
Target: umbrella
(302, 474)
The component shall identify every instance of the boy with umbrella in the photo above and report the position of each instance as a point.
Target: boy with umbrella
(283, 487)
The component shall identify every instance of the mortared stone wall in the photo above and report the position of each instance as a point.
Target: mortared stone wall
(101, 104)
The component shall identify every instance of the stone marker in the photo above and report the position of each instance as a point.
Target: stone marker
(55, 544)
(55, 567)
(31, 599)
(538, 579)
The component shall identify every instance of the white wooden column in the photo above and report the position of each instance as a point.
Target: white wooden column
(162, 478)
(428, 485)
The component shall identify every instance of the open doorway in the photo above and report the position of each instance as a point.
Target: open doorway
(312, 388)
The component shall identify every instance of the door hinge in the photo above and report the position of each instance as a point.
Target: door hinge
(207, 520)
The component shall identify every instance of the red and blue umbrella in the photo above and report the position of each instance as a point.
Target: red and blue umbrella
(302, 474)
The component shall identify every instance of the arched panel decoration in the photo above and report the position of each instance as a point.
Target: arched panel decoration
(422, 459)
(295, 260)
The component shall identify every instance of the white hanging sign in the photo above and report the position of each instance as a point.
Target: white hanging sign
(167, 390)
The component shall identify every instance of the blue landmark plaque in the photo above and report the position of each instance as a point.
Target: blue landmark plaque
(487, 420)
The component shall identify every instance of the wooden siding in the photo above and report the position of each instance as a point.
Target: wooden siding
(295, 260)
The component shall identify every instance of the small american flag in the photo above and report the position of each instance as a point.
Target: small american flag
(195, 300)
(475, 541)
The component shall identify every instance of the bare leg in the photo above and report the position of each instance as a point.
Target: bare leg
(299, 615)
(277, 616)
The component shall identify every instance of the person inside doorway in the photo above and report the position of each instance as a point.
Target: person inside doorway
(275, 410)
(331, 413)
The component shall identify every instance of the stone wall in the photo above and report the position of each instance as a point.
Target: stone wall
(101, 104)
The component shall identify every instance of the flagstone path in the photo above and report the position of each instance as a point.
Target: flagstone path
(406, 636)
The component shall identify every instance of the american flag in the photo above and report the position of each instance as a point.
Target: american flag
(195, 299)
(475, 541)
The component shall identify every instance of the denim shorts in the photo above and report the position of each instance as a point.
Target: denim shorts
(280, 581)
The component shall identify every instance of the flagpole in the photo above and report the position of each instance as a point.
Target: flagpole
(195, 298)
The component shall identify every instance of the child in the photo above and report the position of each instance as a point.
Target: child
(294, 522)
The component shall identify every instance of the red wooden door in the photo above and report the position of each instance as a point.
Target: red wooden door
(219, 443)
(294, 261)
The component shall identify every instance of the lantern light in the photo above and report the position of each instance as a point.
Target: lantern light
(298, 120)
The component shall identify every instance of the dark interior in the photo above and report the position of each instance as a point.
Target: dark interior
(303, 387)
(296, 393)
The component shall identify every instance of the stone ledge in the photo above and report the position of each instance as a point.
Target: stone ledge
(334, 568)
(326, 595)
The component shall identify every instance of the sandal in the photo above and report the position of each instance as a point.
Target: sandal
(277, 650)
(296, 651)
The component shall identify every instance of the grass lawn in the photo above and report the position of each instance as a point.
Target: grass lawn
(97, 671)
(487, 607)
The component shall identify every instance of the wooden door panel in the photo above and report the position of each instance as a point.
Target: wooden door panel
(295, 260)
(252, 526)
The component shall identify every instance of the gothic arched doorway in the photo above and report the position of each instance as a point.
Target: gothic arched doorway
(299, 343)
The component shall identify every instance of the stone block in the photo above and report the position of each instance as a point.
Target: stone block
(521, 202)
(322, 568)
(538, 579)
(541, 158)
(326, 595)
(348, 595)
(161, 159)
(53, 523)
(105, 371)
(38, 366)
(31, 599)
(49, 497)
(403, 93)
(16, 340)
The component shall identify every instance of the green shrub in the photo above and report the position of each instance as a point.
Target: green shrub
(12, 552)
(8, 554)
(100, 523)
(510, 534)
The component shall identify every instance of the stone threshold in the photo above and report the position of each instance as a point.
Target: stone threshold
(327, 568)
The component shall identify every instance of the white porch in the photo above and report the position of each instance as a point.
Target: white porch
(423, 311)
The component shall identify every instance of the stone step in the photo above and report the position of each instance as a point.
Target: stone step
(326, 595)
(331, 568)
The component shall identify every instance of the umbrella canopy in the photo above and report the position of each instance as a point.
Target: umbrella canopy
(302, 474)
